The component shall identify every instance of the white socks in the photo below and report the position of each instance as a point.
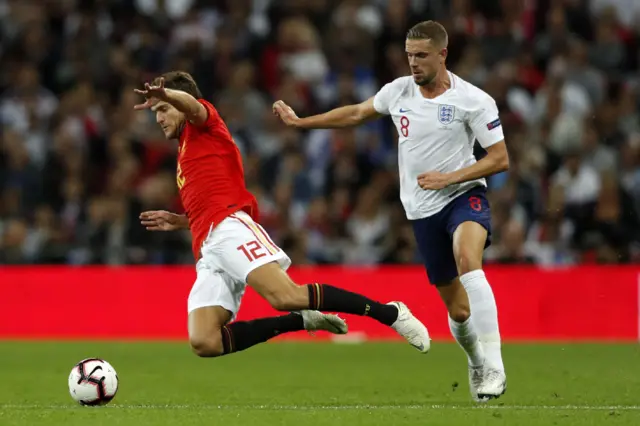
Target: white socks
(467, 338)
(484, 314)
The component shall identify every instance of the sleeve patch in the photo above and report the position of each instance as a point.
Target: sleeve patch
(495, 123)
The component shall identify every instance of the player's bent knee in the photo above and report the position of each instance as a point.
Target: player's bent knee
(207, 347)
(460, 313)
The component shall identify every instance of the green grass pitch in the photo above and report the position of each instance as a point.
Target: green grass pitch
(321, 384)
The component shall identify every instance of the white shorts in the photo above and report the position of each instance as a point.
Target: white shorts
(230, 252)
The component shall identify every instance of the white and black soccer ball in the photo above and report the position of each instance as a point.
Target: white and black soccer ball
(93, 381)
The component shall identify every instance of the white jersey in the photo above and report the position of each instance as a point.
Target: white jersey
(437, 135)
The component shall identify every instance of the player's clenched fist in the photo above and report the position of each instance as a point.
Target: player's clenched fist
(160, 220)
(433, 180)
(286, 113)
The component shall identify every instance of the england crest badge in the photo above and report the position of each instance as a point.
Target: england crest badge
(446, 113)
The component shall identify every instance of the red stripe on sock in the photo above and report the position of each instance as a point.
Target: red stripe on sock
(229, 338)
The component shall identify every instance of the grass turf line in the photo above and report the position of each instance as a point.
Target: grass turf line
(321, 384)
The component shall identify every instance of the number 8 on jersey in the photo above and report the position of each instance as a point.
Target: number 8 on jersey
(404, 126)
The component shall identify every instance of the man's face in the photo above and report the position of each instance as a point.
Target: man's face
(169, 119)
(425, 60)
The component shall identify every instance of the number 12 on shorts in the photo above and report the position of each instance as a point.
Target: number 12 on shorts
(252, 250)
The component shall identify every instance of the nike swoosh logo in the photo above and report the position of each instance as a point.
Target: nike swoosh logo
(419, 347)
(404, 110)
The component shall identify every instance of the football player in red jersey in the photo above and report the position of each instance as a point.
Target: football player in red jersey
(231, 249)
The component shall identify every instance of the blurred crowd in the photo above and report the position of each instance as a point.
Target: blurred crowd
(77, 165)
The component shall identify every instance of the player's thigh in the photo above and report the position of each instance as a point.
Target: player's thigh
(214, 300)
(243, 250)
(468, 246)
(277, 288)
(469, 224)
(434, 245)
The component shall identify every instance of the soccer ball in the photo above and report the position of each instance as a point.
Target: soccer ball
(93, 381)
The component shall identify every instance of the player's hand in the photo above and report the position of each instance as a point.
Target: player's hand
(152, 94)
(433, 180)
(286, 113)
(160, 220)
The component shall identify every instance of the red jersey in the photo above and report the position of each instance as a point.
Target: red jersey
(210, 176)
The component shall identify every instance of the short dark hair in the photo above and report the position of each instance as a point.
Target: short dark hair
(429, 30)
(180, 80)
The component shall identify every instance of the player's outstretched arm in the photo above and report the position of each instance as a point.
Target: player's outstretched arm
(194, 111)
(346, 116)
(496, 161)
(160, 220)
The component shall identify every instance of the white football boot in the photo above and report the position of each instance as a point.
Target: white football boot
(315, 321)
(493, 385)
(476, 379)
(411, 328)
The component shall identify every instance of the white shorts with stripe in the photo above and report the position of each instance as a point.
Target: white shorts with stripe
(233, 249)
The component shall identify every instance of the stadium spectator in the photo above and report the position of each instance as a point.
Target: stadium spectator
(77, 166)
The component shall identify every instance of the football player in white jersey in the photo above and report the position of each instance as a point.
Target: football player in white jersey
(442, 187)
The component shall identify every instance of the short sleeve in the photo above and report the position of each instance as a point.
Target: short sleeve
(212, 114)
(485, 123)
(382, 101)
